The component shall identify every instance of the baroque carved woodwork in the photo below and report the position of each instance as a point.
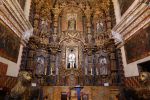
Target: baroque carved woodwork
(71, 43)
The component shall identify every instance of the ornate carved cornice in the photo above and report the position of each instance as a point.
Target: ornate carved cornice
(53, 48)
(136, 17)
(12, 14)
(33, 42)
(89, 49)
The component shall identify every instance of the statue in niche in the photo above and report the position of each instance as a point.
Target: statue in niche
(72, 24)
(44, 26)
(40, 69)
(103, 65)
(99, 26)
(71, 60)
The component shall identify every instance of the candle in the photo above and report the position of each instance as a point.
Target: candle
(91, 72)
(85, 71)
(51, 71)
(56, 71)
(96, 71)
(45, 71)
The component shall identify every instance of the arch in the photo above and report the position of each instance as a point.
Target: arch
(82, 43)
(68, 6)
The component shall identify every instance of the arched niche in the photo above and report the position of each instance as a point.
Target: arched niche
(70, 13)
(99, 21)
(66, 46)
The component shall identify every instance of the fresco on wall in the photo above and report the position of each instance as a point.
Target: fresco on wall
(138, 46)
(9, 43)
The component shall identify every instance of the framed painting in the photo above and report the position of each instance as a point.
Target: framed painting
(138, 46)
(9, 43)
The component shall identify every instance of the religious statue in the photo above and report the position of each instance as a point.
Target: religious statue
(44, 26)
(71, 60)
(117, 37)
(40, 70)
(72, 24)
(99, 27)
(103, 65)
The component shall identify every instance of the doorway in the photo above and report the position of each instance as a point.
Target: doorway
(63, 96)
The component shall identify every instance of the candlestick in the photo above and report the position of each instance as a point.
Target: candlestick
(96, 71)
(45, 71)
(51, 71)
(85, 71)
(56, 71)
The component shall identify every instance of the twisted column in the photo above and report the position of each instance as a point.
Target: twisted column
(56, 12)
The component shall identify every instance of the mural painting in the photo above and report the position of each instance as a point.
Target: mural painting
(9, 43)
(138, 46)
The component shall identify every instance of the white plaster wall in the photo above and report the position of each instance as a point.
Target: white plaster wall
(13, 68)
(131, 69)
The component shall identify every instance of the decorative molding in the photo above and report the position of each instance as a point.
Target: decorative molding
(135, 18)
(13, 16)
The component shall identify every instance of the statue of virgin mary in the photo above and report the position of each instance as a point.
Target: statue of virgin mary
(71, 60)
(72, 24)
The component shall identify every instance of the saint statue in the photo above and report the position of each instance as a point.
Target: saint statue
(40, 70)
(103, 61)
(103, 66)
(71, 60)
(72, 24)
(44, 26)
(99, 27)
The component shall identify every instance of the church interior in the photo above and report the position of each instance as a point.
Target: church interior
(74, 50)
